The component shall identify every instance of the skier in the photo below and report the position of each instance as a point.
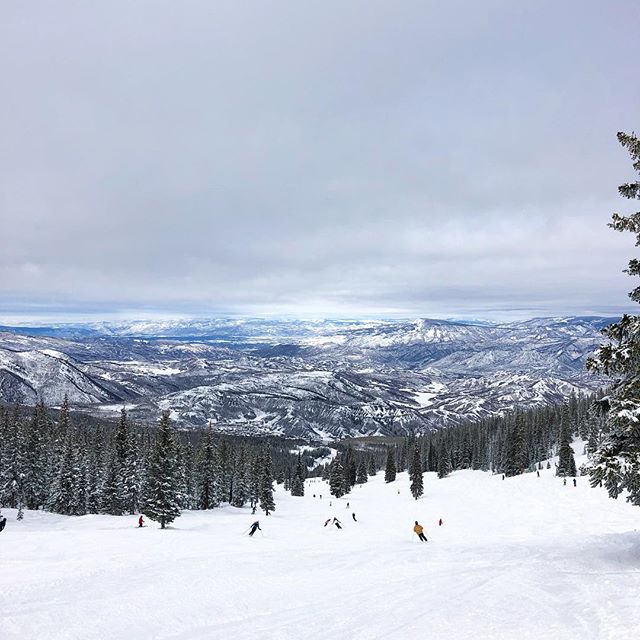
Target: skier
(440, 523)
(337, 523)
(140, 522)
(253, 510)
(538, 473)
(564, 482)
(347, 505)
(353, 515)
(574, 482)
(254, 527)
(3, 523)
(419, 530)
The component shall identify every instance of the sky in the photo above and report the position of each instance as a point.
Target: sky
(360, 158)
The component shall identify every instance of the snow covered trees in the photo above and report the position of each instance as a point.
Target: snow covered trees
(75, 469)
(267, 503)
(162, 498)
(390, 468)
(616, 462)
(297, 485)
(566, 460)
(415, 473)
(337, 484)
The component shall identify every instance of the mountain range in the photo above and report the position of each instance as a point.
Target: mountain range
(314, 380)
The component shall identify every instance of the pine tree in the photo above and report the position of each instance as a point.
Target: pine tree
(362, 476)
(390, 469)
(444, 467)
(61, 499)
(616, 463)
(515, 459)
(297, 484)
(12, 483)
(337, 484)
(371, 469)
(415, 473)
(162, 498)
(208, 493)
(242, 480)
(95, 472)
(566, 460)
(267, 503)
(36, 488)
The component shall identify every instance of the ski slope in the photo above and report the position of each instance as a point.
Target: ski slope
(516, 559)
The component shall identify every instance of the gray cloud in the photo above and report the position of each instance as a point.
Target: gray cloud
(362, 157)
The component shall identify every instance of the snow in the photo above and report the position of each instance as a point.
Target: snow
(521, 558)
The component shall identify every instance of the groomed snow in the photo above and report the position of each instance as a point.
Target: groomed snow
(523, 558)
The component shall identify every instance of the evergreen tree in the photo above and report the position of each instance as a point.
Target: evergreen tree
(566, 460)
(415, 473)
(297, 484)
(337, 484)
(362, 474)
(515, 459)
(12, 483)
(390, 469)
(444, 467)
(242, 481)
(208, 493)
(162, 498)
(616, 463)
(95, 472)
(61, 499)
(267, 503)
(35, 488)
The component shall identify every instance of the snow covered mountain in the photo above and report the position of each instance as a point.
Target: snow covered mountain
(305, 379)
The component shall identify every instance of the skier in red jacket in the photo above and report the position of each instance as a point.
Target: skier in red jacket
(140, 522)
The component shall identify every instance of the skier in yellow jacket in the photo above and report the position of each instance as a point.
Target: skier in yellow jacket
(419, 530)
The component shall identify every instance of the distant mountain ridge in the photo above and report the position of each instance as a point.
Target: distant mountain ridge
(302, 378)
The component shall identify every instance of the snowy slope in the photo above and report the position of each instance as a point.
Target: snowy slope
(524, 558)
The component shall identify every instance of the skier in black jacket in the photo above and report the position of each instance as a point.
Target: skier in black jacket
(254, 527)
(3, 522)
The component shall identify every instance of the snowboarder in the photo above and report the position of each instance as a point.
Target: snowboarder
(337, 523)
(327, 522)
(574, 482)
(440, 523)
(254, 527)
(140, 522)
(353, 515)
(419, 530)
(3, 523)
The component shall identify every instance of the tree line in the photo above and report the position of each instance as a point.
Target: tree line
(75, 469)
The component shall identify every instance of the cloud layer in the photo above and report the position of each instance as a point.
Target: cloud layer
(315, 158)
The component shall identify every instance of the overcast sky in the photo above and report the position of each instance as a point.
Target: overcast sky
(421, 158)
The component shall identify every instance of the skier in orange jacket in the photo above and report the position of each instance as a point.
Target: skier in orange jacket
(419, 530)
